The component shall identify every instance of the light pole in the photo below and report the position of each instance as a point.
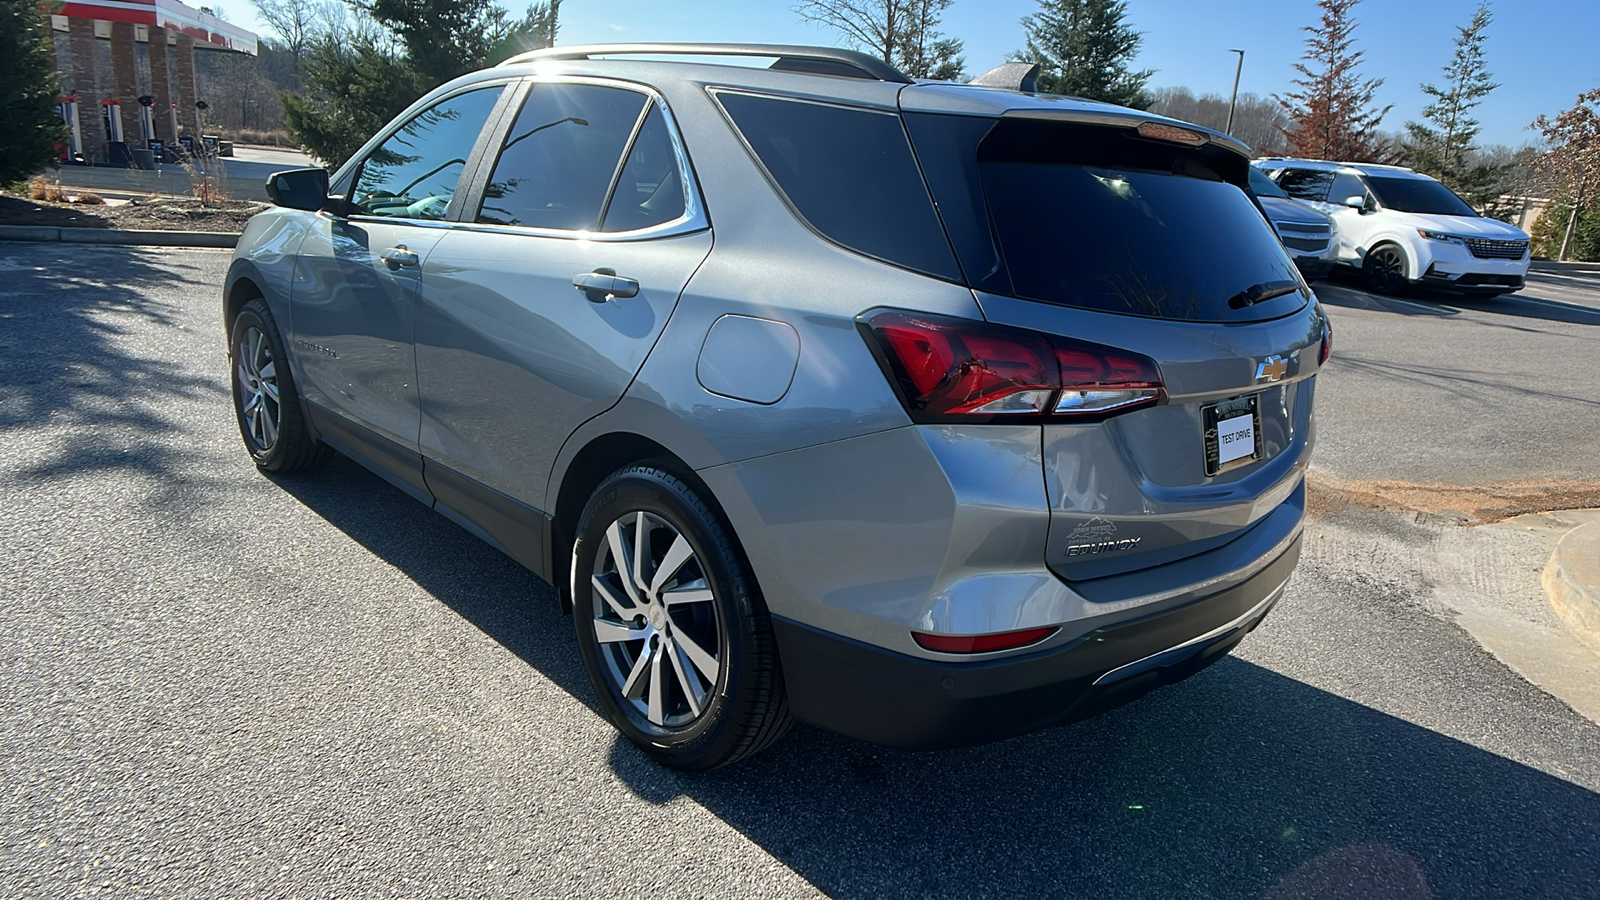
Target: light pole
(1234, 100)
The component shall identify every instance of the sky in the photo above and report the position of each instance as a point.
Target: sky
(1542, 52)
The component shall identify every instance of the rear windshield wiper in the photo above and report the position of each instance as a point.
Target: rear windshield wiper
(1258, 293)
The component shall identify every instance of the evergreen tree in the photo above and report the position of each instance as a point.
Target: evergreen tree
(1443, 145)
(1332, 115)
(1084, 49)
(536, 30)
(29, 90)
(356, 83)
(442, 38)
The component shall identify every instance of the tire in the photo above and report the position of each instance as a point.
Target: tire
(694, 682)
(1385, 270)
(265, 400)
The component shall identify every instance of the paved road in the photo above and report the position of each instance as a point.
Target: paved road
(1433, 388)
(217, 684)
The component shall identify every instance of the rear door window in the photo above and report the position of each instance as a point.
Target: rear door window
(414, 173)
(850, 174)
(556, 166)
(650, 189)
(1306, 184)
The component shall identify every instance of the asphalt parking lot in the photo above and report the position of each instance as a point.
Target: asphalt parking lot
(218, 684)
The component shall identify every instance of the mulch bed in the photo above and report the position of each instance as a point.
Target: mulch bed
(153, 214)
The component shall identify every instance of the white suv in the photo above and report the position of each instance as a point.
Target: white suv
(1402, 228)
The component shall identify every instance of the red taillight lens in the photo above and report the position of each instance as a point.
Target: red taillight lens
(950, 368)
(1327, 345)
(981, 643)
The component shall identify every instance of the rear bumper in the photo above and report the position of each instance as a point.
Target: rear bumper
(1313, 267)
(889, 698)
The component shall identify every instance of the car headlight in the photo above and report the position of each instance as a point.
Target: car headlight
(1439, 236)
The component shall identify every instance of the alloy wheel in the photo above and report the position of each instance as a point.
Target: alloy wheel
(655, 621)
(256, 381)
(1388, 269)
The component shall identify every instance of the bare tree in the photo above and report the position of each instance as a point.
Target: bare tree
(902, 33)
(1572, 164)
(295, 21)
(1258, 121)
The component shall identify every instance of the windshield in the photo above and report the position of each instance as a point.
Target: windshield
(1263, 186)
(1418, 195)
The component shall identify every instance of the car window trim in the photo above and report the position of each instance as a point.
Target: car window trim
(490, 125)
(695, 217)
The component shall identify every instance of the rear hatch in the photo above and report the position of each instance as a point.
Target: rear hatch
(1071, 221)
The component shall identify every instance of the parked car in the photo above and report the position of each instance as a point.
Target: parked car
(927, 413)
(1306, 233)
(1401, 228)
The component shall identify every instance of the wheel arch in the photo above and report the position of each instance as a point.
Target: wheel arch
(1413, 265)
(242, 286)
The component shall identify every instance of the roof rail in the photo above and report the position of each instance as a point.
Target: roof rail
(816, 60)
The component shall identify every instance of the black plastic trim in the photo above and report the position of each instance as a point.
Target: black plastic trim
(514, 528)
(890, 698)
(400, 466)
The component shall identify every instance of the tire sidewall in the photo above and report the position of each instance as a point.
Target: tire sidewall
(1371, 274)
(649, 490)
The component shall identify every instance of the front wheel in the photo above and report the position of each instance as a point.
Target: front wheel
(264, 395)
(672, 630)
(1385, 270)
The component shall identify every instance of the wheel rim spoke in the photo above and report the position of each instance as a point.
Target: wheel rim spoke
(705, 662)
(619, 559)
(691, 691)
(631, 687)
(679, 553)
(686, 595)
(613, 632)
(658, 711)
(625, 613)
(639, 530)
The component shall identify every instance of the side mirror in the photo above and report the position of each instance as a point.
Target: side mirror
(1359, 204)
(299, 188)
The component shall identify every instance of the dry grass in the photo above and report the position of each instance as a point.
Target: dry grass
(46, 191)
(1468, 504)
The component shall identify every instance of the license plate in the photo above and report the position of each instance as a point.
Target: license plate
(1233, 433)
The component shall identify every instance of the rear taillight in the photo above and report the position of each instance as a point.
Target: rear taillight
(981, 643)
(949, 369)
(1327, 344)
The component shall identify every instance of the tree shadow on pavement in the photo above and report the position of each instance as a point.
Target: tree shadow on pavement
(1237, 783)
(84, 386)
(1525, 304)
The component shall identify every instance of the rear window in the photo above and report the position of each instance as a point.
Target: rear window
(850, 174)
(1263, 186)
(1306, 184)
(1094, 217)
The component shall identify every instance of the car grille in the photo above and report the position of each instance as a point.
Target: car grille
(1306, 237)
(1483, 248)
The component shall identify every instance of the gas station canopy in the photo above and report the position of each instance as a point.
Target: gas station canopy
(208, 31)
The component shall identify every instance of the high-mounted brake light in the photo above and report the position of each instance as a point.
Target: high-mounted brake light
(1161, 131)
(981, 643)
(951, 369)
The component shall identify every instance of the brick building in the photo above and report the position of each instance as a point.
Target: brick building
(110, 53)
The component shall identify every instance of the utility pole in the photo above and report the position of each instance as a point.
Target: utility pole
(1234, 100)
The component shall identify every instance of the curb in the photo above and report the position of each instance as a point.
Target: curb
(1572, 580)
(122, 236)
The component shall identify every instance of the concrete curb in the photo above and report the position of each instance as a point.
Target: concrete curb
(222, 239)
(1572, 579)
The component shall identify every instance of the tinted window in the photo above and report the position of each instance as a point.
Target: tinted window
(1305, 184)
(850, 174)
(1346, 186)
(415, 172)
(1263, 186)
(560, 155)
(650, 189)
(1418, 195)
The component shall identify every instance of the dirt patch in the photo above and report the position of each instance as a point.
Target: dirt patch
(152, 214)
(1467, 504)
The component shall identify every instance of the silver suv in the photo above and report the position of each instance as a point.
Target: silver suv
(926, 413)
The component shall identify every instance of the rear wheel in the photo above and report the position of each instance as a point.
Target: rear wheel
(264, 396)
(1385, 270)
(671, 627)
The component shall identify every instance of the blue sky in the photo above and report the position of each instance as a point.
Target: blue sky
(1542, 52)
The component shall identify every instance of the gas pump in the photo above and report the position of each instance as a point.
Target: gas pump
(111, 111)
(69, 114)
(147, 119)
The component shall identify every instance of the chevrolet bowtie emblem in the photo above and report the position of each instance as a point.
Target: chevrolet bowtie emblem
(1271, 369)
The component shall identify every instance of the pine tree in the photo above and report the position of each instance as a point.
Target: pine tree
(1442, 147)
(1332, 116)
(29, 90)
(355, 83)
(1084, 49)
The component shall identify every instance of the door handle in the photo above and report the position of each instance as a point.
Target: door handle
(397, 256)
(604, 284)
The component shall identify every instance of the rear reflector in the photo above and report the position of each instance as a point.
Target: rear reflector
(949, 369)
(981, 643)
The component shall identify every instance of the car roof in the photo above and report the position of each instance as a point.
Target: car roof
(1324, 165)
(831, 72)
